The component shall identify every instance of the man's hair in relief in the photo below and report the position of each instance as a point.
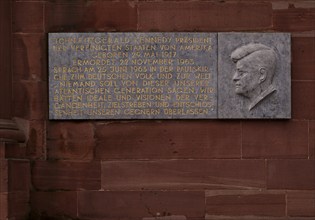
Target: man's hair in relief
(262, 55)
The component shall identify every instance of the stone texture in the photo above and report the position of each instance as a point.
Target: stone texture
(204, 16)
(19, 175)
(36, 143)
(303, 56)
(209, 217)
(183, 174)
(52, 175)
(4, 206)
(5, 59)
(245, 203)
(167, 77)
(15, 150)
(84, 15)
(18, 205)
(291, 174)
(113, 140)
(54, 203)
(14, 189)
(271, 101)
(112, 16)
(232, 91)
(279, 4)
(301, 203)
(189, 139)
(312, 139)
(273, 139)
(294, 19)
(139, 204)
(69, 130)
(29, 57)
(303, 100)
(3, 176)
(170, 217)
(81, 150)
(70, 140)
(28, 17)
(65, 16)
(27, 105)
(2, 150)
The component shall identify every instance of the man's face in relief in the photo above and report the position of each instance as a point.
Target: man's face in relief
(246, 76)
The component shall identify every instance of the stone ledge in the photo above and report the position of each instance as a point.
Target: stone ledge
(9, 131)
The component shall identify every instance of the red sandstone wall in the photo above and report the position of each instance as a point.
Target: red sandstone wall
(200, 169)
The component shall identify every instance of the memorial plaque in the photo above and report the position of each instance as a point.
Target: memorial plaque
(254, 75)
(169, 75)
(132, 75)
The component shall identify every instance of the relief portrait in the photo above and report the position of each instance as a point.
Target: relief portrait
(254, 75)
(255, 67)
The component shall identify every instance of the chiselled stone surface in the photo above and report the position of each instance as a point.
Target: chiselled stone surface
(254, 75)
(245, 203)
(141, 204)
(170, 217)
(169, 75)
(132, 75)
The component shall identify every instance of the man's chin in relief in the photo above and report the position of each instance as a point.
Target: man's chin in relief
(254, 72)
(242, 89)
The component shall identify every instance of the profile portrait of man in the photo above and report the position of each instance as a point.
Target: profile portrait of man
(255, 67)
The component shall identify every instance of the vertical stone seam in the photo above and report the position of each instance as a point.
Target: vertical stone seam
(45, 141)
(266, 174)
(46, 71)
(309, 140)
(286, 203)
(218, 94)
(138, 15)
(241, 128)
(101, 164)
(11, 55)
(205, 207)
(272, 18)
(44, 17)
(77, 204)
(94, 146)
